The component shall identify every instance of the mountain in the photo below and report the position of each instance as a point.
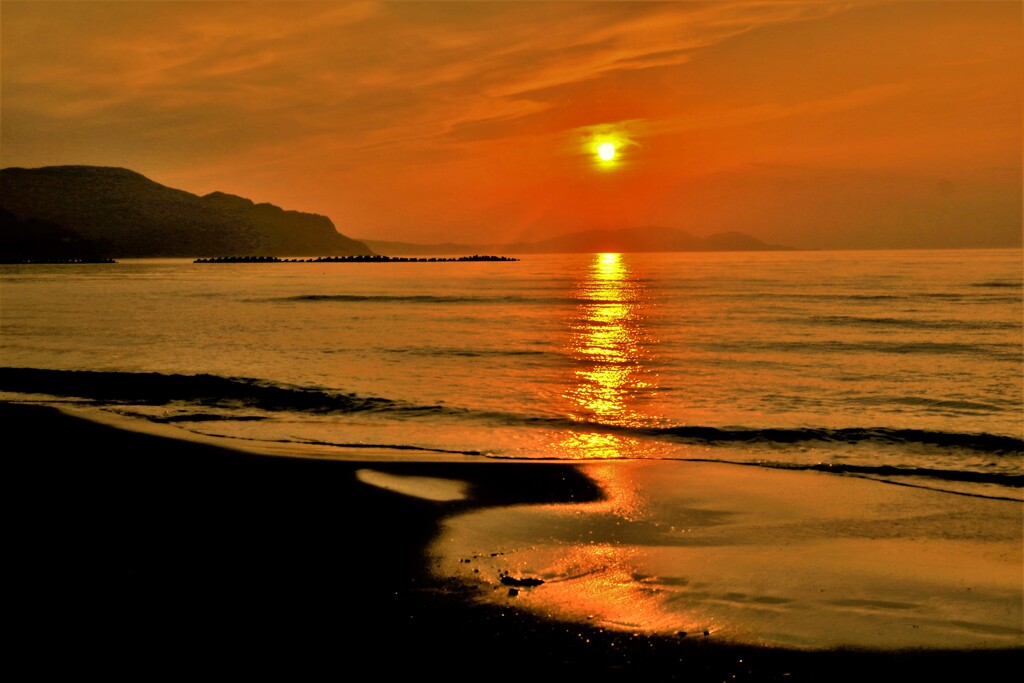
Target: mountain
(647, 239)
(36, 241)
(137, 217)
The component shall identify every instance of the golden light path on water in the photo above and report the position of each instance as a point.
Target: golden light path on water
(601, 577)
(713, 550)
(607, 348)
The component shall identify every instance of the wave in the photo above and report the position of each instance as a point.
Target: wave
(909, 323)
(203, 417)
(582, 299)
(925, 402)
(1016, 284)
(889, 471)
(986, 443)
(151, 388)
(211, 391)
(410, 298)
(462, 353)
(909, 296)
(586, 299)
(994, 350)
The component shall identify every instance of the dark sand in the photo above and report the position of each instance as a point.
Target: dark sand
(135, 555)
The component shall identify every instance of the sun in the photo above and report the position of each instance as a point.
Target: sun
(608, 146)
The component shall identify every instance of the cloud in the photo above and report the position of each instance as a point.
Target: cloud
(340, 107)
(378, 73)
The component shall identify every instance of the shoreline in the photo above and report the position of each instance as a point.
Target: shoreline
(137, 546)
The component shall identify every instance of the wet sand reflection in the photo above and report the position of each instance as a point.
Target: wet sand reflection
(608, 345)
(754, 556)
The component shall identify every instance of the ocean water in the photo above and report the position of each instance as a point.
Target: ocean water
(897, 365)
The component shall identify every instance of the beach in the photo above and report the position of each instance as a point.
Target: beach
(137, 550)
(513, 341)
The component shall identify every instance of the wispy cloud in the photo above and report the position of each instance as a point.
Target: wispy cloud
(495, 100)
(375, 72)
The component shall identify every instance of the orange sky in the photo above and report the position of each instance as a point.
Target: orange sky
(813, 124)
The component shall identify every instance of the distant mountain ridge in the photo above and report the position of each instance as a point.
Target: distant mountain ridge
(74, 212)
(133, 216)
(628, 240)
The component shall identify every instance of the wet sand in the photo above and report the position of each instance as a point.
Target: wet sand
(757, 557)
(135, 554)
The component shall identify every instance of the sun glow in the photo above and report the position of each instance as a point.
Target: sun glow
(609, 145)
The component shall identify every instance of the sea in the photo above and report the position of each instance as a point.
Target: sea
(902, 366)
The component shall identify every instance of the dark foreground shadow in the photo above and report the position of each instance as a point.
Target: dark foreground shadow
(133, 555)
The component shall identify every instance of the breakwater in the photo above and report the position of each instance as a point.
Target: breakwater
(375, 258)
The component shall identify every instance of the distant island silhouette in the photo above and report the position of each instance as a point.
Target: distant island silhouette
(626, 240)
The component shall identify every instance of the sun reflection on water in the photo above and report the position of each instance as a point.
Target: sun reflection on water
(607, 346)
(592, 556)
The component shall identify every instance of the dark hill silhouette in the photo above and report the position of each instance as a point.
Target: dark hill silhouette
(37, 241)
(137, 217)
(629, 240)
